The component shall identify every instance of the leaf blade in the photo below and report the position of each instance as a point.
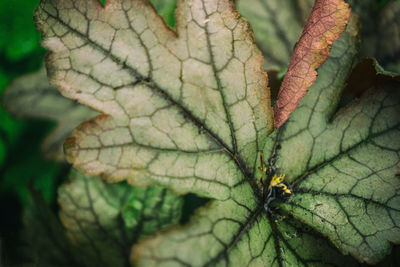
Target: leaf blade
(315, 110)
(365, 191)
(192, 89)
(103, 221)
(240, 209)
(97, 224)
(352, 135)
(327, 21)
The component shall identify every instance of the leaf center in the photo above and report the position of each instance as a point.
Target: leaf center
(273, 186)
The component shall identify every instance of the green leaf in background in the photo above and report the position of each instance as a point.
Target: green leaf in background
(18, 169)
(277, 25)
(31, 96)
(43, 241)
(100, 222)
(19, 52)
(3, 133)
(24, 165)
(18, 37)
(166, 9)
(20, 162)
(110, 218)
(381, 32)
(10, 130)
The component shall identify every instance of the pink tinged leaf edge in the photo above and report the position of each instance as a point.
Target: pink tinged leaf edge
(327, 20)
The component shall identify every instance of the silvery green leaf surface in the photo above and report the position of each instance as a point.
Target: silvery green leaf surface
(189, 110)
(99, 222)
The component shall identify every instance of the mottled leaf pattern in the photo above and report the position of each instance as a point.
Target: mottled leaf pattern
(103, 221)
(224, 235)
(188, 110)
(31, 96)
(239, 232)
(343, 167)
(100, 222)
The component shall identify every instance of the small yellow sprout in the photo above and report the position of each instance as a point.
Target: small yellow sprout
(277, 181)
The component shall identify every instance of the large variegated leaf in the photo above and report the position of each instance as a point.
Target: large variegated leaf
(100, 222)
(31, 96)
(343, 167)
(239, 231)
(189, 110)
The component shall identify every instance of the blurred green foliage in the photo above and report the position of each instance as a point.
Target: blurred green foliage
(20, 52)
(20, 161)
(379, 4)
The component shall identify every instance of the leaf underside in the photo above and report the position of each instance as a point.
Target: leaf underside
(189, 110)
